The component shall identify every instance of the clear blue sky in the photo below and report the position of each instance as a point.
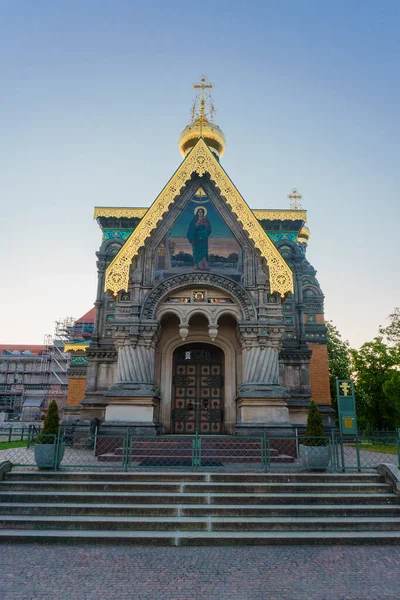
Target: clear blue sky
(94, 95)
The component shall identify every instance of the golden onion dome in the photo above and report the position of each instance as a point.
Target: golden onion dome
(202, 127)
(304, 235)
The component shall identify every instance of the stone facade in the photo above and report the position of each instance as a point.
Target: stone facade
(200, 331)
(274, 349)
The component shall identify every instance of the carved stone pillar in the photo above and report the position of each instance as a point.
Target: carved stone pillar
(262, 400)
(260, 350)
(295, 373)
(99, 303)
(261, 365)
(133, 400)
(135, 363)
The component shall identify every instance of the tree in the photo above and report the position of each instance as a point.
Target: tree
(392, 331)
(391, 389)
(339, 359)
(315, 434)
(374, 365)
(50, 427)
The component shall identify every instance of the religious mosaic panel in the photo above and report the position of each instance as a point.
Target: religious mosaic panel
(199, 241)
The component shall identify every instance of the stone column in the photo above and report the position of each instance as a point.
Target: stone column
(135, 363)
(101, 265)
(262, 400)
(300, 301)
(133, 400)
(261, 366)
(100, 355)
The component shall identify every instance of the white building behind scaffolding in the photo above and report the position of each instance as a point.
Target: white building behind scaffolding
(31, 376)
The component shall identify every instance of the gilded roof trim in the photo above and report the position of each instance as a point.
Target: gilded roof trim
(119, 212)
(200, 160)
(259, 213)
(76, 347)
(280, 214)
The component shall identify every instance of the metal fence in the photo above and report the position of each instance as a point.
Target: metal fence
(18, 434)
(78, 449)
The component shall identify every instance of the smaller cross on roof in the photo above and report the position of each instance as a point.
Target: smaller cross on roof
(295, 198)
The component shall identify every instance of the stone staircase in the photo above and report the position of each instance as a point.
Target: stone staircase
(171, 508)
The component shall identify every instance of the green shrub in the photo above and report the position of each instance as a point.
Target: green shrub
(48, 434)
(315, 434)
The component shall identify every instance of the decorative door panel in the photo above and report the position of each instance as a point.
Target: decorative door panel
(197, 391)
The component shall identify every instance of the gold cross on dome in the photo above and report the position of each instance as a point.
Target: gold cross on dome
(295, 198)
(203, 85)
(199, 105)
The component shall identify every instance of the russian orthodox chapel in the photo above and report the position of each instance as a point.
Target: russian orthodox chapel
(209, 316)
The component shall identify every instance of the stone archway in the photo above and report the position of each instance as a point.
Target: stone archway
(165, 370)
(241, 296)
(176, 299)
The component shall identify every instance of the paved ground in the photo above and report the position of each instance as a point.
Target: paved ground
(35, 572)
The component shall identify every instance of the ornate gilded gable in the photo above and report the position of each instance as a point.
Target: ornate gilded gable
(200, 160)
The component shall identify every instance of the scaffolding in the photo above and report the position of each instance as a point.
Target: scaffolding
(36, 378)
(55, 361)
(46, 354)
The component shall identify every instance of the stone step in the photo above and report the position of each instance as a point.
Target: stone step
(199, 487)
(183, 476)
(149, 451)
(174, 523)
(353, 511)
(103, 497)
(304, 510)
(287, 488)
(304, 498)
(304, 524)
(193, 498)
(199, 538)
(139, 523)
(176, 462)
(288, 476)
(195, 508)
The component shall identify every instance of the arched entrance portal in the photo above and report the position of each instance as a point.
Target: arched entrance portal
(197, 389)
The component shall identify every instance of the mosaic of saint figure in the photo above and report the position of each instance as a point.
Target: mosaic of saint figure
(198, 233)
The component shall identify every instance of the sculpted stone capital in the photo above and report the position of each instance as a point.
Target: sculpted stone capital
(101, 266)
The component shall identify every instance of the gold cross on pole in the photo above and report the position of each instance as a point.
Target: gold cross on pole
(295, 198)
(345, 387)
(202, 86)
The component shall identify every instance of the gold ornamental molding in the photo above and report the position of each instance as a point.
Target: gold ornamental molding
(259, 213)
(280, 215)
(200, 160)
(76, 347)
(119, 212)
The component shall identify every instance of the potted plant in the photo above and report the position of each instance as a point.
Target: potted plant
(46, 443)
(314, 448)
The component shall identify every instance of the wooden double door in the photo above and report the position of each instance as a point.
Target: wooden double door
(197, 389)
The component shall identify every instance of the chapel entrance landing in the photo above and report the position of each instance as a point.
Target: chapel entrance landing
(197, 389)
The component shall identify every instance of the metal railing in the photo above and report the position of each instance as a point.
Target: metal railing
(19, 434)
(76, 448)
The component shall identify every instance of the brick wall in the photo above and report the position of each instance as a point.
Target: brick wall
(319, 318)
(76, 391)
(319, 374)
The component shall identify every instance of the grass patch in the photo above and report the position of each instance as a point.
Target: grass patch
(18, 444)
(384, 448)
